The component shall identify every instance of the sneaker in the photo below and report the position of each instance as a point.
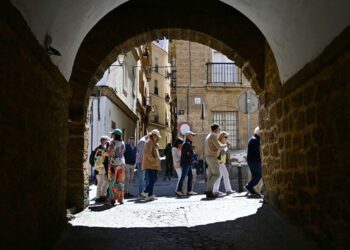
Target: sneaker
(230, 192)
(255, 196)
(151, 198)
(144, 195)
(210, 195)
(250, 190)
(191, 193)
(100, 199)
(179, 193)
(219, 194)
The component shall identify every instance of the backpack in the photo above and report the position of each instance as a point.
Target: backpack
(92, 158)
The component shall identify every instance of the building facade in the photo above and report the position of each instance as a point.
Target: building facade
(119, 99)
(206, 90)
(159, 92)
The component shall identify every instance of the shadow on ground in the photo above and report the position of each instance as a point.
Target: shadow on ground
(263, 230)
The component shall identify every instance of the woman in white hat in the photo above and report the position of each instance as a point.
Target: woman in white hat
(151, 163)
(224, 162)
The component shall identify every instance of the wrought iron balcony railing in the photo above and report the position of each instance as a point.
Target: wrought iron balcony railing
(223, 73)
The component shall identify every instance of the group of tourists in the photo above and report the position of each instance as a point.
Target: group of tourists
(115, 163)
(218, 159)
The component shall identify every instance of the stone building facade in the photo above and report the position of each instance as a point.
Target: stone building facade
(113, 103)
(159, 90)
(205, 76)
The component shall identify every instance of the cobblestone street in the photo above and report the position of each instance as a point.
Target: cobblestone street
(230, 222)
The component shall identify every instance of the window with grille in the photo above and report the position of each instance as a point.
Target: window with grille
(228, 121)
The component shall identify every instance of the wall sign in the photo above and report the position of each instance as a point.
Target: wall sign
(181, 112)
(197, 100)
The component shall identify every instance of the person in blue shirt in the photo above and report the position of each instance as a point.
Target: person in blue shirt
(186, 162)
(254, 163)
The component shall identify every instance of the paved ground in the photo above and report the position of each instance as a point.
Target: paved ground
(231, 222)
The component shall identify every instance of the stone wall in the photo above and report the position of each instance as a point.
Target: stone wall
(216, 98)
(33, 118)
(305, 143)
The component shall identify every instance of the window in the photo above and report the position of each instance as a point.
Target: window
(166, 118)
(113, 125)
(155, 115)
(228, 121)
(156, 67)
(155, 87)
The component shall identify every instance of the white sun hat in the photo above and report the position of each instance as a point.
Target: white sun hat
(155, 132)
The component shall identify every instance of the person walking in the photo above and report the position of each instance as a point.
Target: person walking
(186, 163)
(194, 167)
(224, 163)
(140, 172)
(176, 155)
(116, 167)
(212, 147)
(130, 161)
(101, 168)
(151, 163)
(254, 163)
(168, 162)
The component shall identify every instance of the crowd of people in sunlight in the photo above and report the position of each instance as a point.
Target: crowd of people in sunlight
(115, 163)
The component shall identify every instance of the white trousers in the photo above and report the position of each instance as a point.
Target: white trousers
(129, 175)
(102, 185)
(223, 174)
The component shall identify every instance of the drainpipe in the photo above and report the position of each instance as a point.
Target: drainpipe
(188, 86)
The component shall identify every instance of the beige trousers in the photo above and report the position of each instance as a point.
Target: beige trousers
(213, 172)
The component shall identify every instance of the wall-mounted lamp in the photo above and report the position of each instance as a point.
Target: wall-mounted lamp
(50, 50)
(145, 54)
(121, 58)
(167, 98)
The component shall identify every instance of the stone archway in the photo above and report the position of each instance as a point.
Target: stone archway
(305, 121)
(212, 23)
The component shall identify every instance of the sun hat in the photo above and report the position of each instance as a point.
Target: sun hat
(155, 132)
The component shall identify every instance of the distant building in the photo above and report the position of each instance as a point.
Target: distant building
(205, 76)
(159, 92)
(119, 99)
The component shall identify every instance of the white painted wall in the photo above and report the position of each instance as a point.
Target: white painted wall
(297, 31)
(108, 112)
(120, 78)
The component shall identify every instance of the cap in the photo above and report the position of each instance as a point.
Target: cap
(178, 140)
(104, 137)
(117, 132)
(155, 132)
(189, 132)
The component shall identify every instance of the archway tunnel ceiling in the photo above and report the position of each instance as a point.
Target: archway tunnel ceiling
(297, 31)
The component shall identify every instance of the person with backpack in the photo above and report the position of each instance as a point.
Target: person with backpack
(168, 162)
(116, 168)
(101, 175)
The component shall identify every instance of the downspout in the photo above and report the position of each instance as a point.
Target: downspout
(188, 86)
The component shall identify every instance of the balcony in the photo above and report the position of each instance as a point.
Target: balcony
(223, 74)
(155, 121)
